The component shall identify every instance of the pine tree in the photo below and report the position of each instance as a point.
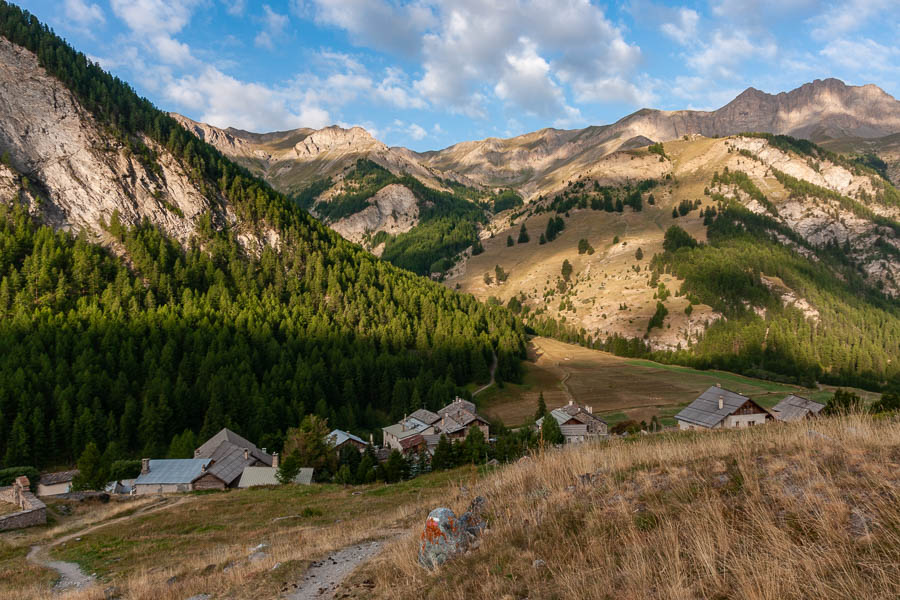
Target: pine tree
(91, 474)
(443, 455)
(550, 430)
(541, 407)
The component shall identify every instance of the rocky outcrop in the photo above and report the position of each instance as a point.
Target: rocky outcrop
(84, 174)
(446, 536)
(393, 209)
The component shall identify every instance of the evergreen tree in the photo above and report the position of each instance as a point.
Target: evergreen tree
(475, 446)
(541, 407)
(91, 474)
(523, 235)
(443, 455)
(550, 431)
(288, 469)
(509, 241)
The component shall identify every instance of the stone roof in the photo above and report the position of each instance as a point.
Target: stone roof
(58, 477)
(411, 442)
(566, 413)
(254, 476)
(705, 411)
(426, 416)
(457, 405)
(173, 471)
(407, 428)
(338, 437)
(227, 435)
(795, 408)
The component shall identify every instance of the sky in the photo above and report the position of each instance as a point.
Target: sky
(426, 74)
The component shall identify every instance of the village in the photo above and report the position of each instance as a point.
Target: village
(229, 461)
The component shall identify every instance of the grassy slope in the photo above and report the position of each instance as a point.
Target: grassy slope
(617, 388)
(762, 513)
(768, 512)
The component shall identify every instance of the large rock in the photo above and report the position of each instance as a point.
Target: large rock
(447, 535)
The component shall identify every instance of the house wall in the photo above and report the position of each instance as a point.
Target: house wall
(142, 489)
(210, 482)
(745, 420)
(55, 489)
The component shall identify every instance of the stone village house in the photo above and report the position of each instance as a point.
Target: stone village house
(720, 408)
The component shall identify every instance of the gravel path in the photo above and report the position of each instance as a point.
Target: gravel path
(323, 577)
(70, 574)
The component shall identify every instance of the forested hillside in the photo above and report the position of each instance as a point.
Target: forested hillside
(130, 349)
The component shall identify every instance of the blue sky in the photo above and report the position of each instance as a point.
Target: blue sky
(429, 73)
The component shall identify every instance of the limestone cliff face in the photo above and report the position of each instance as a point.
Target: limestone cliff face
(393, 209)
(83, 174)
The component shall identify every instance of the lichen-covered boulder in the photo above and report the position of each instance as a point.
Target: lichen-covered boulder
(446, 535)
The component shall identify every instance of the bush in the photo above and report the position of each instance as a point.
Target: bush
(9, 475)
(124, 469)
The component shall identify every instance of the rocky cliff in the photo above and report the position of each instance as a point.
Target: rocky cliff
(72, 171)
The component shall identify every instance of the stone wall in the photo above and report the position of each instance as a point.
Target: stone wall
(34, 512)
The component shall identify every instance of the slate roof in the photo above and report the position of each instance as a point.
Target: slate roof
(338, 437)
(449, 425)
(704, 411)
(227, 435)
(795, 408)
(58, 477)
(426, 416)
(226, 448)
(253, 476)
(413, 426)
(456, 406)
(566, 413)
(173, 470)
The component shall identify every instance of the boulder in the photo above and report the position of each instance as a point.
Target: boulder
(446, 535)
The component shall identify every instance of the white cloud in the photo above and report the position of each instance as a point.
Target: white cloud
(274, 25)
(864, 55)
(726, 51)
(416, 132)
(235, 8)
(477, 48)
(684, 28)
(849, 15)
(526, 82)
(224, 101)
(155, 22)
(83, 14)
(376, 24)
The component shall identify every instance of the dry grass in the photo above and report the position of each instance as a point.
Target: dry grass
(192, 544)
(773, 512)
(561, 371)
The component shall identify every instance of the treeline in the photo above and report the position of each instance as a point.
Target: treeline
(200, 339)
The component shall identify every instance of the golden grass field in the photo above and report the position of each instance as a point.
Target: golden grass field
(785, 511)
(617, 388)
(765, 513)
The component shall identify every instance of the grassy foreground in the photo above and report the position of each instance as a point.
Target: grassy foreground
(775, 512)
(809, 510)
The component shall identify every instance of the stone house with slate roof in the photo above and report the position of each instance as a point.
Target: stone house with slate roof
(166, 476)
(721, 408)
(340, 438)
(577, 423)
(53, 484)
(453, 421)
(230, 454)
(797, 408)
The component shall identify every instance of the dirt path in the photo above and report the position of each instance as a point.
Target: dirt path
(70, 574)
(491, 382)
(323, 577)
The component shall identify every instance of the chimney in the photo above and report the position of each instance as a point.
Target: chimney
(264, 451)
(718, 385)
(203, 468)
(570, 403)
(590, 410)
(371, 440)
(275, 463)
(145, 466)
(721, 402)
(403, 424)
(246, 453)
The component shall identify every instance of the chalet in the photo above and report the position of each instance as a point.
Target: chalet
(797, 408)
(721, 408)
(454, 421)
(339, 439)
(230, 454)
(577, 423)
(54, 484)
(176, 475)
